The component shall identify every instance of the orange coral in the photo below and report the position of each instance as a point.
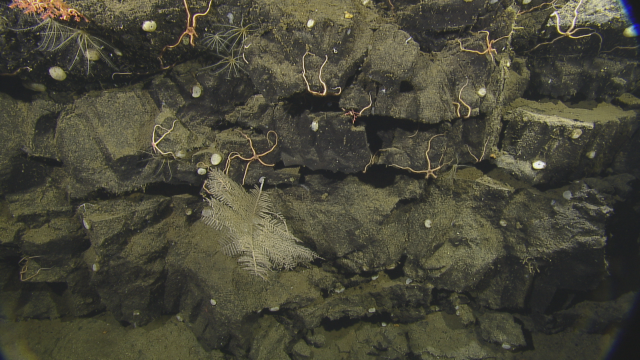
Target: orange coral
(48, 9)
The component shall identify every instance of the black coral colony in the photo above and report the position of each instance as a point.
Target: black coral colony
(252, 229)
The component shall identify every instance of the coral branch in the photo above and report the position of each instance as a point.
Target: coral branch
(48, 9)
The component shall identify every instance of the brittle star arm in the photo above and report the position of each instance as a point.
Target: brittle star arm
(25, 268)
(463, 103)
(258, 156)
(476, 51)
(569, 31)
(484, 149)
(426, 154)
(195, 18)
(233, 155)
(324, 85)
(408, 168)
(154, 142)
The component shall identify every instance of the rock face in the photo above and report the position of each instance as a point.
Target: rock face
(571, 142)
(453, 167)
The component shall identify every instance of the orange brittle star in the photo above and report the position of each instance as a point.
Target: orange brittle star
(429, 172)
(191, 26)
(25, 268)
(357, 114)
(490, 50)
(254, 157)
(571, 30)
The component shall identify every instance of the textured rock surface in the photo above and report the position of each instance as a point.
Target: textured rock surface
(402, 156)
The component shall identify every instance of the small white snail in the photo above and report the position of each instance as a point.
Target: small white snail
(539, 165)
(196, 91)
(631, 31)
(149, 26)
(576, 133)
(92, 54)
(57, 73)
(216, 159)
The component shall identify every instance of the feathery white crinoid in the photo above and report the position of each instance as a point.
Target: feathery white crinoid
(252, 229)
(230, 62)
(75, 44)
